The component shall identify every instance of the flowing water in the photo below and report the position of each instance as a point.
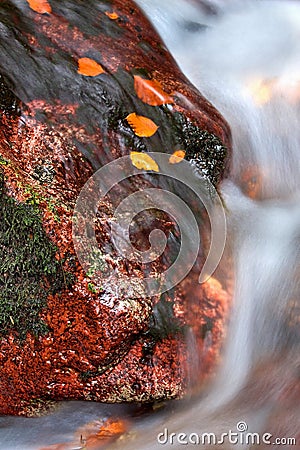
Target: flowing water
(246, 60)
(244, 56)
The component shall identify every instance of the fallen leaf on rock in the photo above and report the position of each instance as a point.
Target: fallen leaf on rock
(89, 67)
(142, 126)
(177, 156)
(143, 161)
(112, 15)
(151, 92)
(40, 6)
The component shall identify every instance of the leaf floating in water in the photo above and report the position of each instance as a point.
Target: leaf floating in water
(40, 6)
(93, 435)
(109, 431)
(143, 161)
(142, 126)
(177, 156)
(112, 428)
(151, 92)
(89, 67)
(112, 15)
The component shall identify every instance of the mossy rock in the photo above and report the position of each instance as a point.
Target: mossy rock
(29, 271)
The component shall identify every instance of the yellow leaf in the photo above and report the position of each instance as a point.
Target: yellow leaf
(142, 126)
(40, 6)
(143, 161)
(177, 156)
(89, 67)
(151, 92)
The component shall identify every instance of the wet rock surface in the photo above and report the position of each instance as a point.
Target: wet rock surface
(67, 85)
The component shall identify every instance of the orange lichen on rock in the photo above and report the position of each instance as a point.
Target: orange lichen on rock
(142, 126)
(151, 92)
(40, 6)
(89, 67)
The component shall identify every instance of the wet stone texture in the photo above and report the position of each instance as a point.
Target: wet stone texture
(68, 74)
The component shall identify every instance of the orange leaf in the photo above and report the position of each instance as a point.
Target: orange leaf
(109, 431)
(40, 6)
(111, 428)
(151, 92)
(142, 126)
(89, 67)
(112, 15)
(143, 161)
(177, 156)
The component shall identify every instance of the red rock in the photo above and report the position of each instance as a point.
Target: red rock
(57, 128)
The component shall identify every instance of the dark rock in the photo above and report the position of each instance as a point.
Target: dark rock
(61, 335)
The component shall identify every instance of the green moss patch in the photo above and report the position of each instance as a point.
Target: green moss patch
(29, 271)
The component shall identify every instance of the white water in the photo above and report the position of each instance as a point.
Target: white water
(247, 62)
